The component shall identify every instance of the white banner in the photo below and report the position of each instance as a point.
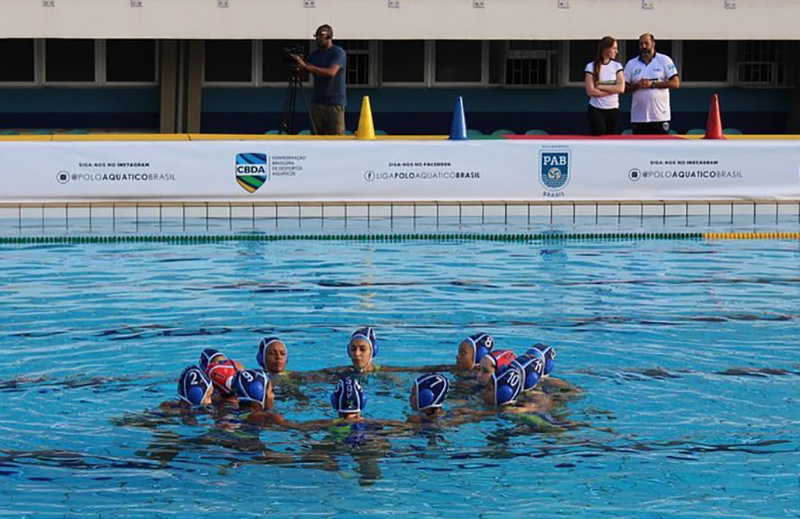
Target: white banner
(396, 170)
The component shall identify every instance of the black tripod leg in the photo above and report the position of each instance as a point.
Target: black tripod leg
(286, 120)
(310, 114)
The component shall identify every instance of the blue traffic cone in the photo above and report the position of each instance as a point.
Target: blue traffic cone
(458, 128)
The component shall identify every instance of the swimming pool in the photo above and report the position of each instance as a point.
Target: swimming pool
(95, 333)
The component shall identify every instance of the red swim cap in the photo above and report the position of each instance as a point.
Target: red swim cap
(221, 374)
(501, 359)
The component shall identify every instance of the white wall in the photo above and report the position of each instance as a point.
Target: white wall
(413, 19)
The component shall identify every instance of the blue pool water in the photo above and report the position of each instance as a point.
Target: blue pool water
(95, 335)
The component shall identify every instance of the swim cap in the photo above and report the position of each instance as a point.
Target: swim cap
(482, 344)
(367, 333)
(221, 374)
(193, 385)
(262, 350)
(348, 397)
(501, 358)
(532, 366)
(251, 386)
(507, 385)
(431, 390)
(208, 356)
(549, 356)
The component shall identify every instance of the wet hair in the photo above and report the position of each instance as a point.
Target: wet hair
(606, 43)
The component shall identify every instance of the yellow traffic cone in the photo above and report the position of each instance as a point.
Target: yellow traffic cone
(366, 129)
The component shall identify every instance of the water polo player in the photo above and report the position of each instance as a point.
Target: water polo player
(272, 355)
(428, 394)
(256, 396)
(492, 363)
(472, 349)
(194, 388)
(362, 349)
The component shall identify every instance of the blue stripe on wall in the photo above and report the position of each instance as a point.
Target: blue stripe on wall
(423, 123)
(80, 100)
(491, 99)
(395, 110)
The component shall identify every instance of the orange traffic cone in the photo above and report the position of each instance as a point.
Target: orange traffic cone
(714, 124)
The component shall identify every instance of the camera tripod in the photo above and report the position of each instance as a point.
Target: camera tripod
(286, 120)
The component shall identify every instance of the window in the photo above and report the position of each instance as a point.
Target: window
(458, 61)
(17, 61)
(131, 61)
(276, 65)
(358, 66)
(531, 63)
(69, 61)
(632, 50)
(228, 61)
(762, 63)
(403, 61)
(497, 61)
(582, 52)
(704, 60)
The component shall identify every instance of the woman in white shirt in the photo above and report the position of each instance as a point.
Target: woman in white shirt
(604, 82)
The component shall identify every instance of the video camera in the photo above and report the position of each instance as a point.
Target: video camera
(288, 51)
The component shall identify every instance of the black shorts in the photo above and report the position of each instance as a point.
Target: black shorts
(656, 128)
(603, 122)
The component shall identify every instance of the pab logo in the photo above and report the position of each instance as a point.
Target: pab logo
(252, 170)
(554, 169)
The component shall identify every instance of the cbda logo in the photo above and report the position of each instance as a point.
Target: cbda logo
(554, 169)
(252, 170)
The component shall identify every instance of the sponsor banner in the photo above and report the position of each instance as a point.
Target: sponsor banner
(344, 171)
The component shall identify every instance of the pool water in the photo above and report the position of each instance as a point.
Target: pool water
(686, 351)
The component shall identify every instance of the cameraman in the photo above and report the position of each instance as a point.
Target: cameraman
(327, 64)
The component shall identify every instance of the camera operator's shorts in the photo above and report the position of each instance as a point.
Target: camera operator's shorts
(328, 120)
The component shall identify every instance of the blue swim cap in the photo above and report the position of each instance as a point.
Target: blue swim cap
(348, 397)
(549, 356)
(532, 366)
(431, 390)
(367, 333)
(482, 344)
(208, 356)
(193, 385)
(251, 386)
(507, 385)
(262, 350)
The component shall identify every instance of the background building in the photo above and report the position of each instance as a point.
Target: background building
(219, 65)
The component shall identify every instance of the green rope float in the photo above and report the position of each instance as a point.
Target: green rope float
(381, 238)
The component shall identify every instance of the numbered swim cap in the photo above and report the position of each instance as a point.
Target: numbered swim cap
(431, 390)
(532, 366)
(368, 334)
(262, 350)
(209, 356)
(501, 358)
(193, 385)
(348, 397)
(221, 375)
(507, 385)
(251, 386)
(549, 357)
(482, 344)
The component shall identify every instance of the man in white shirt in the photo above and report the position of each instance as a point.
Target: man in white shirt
(649, 76)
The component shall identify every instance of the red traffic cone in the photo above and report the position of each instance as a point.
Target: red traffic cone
(714, 124)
